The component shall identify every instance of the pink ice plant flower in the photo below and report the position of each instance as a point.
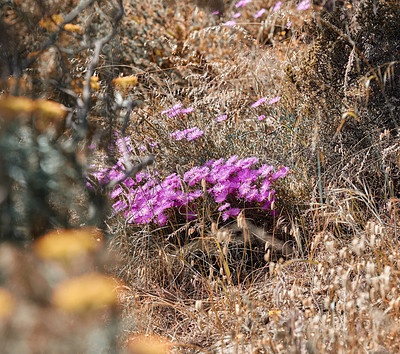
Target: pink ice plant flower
(232, 160)
(178, 135)
(264, 99)
(189, 134)
(194, 134)
(222, 118)
(304, 5)
(230, 212)
(261, 117)
(237, 15)
(174, 108)
(180, 111)
(265, 170)
(283, 171)
(224, 206)
(186, 110)
(259, 13)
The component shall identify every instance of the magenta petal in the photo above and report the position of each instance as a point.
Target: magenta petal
(174, 108)
(274, 100)
(283, 171)
(230, 212)
(259, 102)
(304, 5)
(259, 13)
(161, 219)
(233, 211)
(230, 23)
(116, 192)
(277, 6)
(187, 110)
(224, 206)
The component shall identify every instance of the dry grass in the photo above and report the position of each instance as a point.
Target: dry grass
(338, 291)
(323, 275)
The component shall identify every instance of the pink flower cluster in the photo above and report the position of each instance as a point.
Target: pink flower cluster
(145, 199)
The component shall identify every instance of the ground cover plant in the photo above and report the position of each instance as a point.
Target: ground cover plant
(208, 176)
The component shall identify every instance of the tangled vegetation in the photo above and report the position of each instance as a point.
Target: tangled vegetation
(207, 176)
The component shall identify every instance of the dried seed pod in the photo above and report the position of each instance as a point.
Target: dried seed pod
(267, 256)
(199, 305)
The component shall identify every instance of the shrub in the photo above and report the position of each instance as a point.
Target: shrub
(348, 103)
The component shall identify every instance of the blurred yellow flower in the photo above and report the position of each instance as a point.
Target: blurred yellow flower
(51, 109)
(7, 304)
(48, 113)
(144, 344)
(51, 23)
(94, 83)
(124, 82)
(73, 28)
(12, 106)
(90, 291)
(67, 244)
(274, 313)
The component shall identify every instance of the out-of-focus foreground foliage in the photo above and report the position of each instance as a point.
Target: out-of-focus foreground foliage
(48, 51)
(55, 295)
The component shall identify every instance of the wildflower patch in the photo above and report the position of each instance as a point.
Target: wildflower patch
(228, 183)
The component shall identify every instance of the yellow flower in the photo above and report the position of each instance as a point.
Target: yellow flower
(94, 83)
(48, 113)
(12, 106)
(7, 304)
(90, 291)
(145, 344)
(124, 82)
(51, 23)
(50, 109)
(67, 244)
(73, 28)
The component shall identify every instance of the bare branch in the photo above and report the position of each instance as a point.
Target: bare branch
(132, 172)
(54, 36)
(83, 108)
